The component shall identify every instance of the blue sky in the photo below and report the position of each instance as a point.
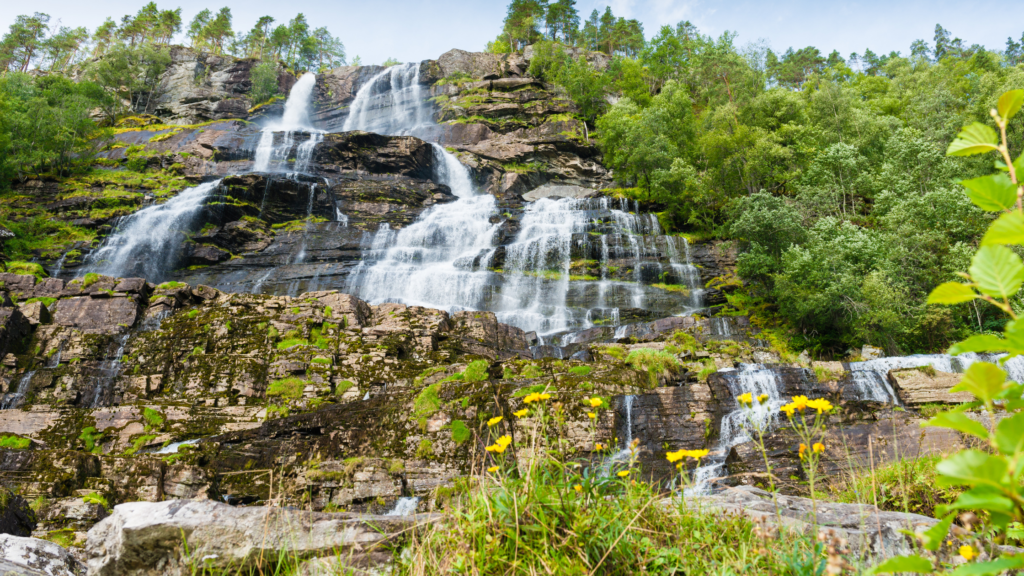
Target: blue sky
(420, 29)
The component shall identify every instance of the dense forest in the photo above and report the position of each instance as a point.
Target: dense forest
(829, 171)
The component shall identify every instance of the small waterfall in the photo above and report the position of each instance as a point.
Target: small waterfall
(147, 243)
(15, 399)
(625, 437)
(172, 448)
(872, 376)
(390, 103)
(405, 506)
(273, 150)
(685, 272)
(109, 372)
(735, 428)
(59, 266)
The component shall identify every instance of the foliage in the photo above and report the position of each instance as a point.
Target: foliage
(907, 485)
(15, 442)
(287, 388)
(992, 479)
(264, 82)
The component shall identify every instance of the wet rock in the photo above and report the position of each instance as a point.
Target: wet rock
(14, 328)
(374, 153)
(916, 386)
(199, 86)
(482, 334)
(869, 352)
(33, 557)
(204, 255)
(143, 539)
(870, 532)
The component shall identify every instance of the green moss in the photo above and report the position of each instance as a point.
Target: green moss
(322, 361)
(476, 371)
(96, 498)
(90, 279)
(343, 387)
(91, 438)
(328, 312)
(425, 449)
(291, 342)
(396, 466)
(153, 418)
(580, 370)
(14, 442)
(46, 300)
(172, 286)
(531, 371)
(426, 404)
(460, 432)
(192, 314)
(654, 362)
(139, 443)
(290, 388)
(64, 537)
(27, 268)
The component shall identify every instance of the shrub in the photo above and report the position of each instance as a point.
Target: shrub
(288, 388)
(476, 371)
(654, 362)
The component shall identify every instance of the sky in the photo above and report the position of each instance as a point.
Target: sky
(411, 30)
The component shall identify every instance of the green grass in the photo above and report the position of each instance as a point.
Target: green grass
(289, 388)
(426, 404)
(908, 485)
(291, 342)
(46, 300)
(92, 439)
(580, 370)
(476, 371)
(460, 432)
(172, 286)
(654, 362)
(153, 417)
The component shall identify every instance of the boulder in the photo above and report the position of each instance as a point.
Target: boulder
(96, 315)
(19, 284)
(475, 64)
(16, 518)
(916, 386)
(868, 530)
(14, 328)
(150, 538)
(34, 557)
(559, 191)
(869, 352)
(36, 313)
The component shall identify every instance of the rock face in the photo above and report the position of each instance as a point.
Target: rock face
(16, 517)
(34, 557)
(918, 386)
(143, 538)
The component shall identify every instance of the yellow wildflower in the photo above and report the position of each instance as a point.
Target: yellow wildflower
(493, 469)
(803, 448)
(967, 552)
(521, 413)
(745, 399)
(820, 404)
(675, 456)
(595, 402)
(697, 454)
(762, 398)
(493, 421)
(598, 446)
(504, 440)
(500, 444)
(591, 415)
(531, 398)
(624, 473)
(578, 488)
(789, 409)
(800, 402)
(679, 466)
(818, 447)
(543, 396)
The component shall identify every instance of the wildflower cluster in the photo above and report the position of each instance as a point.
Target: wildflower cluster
(748, 399)
(810, 431)
(678, 455)
(536, 397)
(500, 445)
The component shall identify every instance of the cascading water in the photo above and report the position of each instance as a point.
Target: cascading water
(147, 243)
(404, 507)
(625, 437)
(872, 376)
(390, 103)
(109, 371)
(738, 426)
(14, 399)
(278, 138)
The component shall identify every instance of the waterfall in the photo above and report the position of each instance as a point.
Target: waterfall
(625, 437)
(735, 428)
(273, 150)
(109, 371)
(14, 399)
(404, 507)
(147, 243)
(59, 266)
(390, 103)
(872, 376)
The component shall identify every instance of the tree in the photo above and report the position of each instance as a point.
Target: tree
(218, 30)
(62, 48)
(258, 37)
(590, 36)
(263, 77)
(563, 21)
(330, 52)
(920, 49)
(943, 43)
(197, 26)
(23, 43)
(522, 22)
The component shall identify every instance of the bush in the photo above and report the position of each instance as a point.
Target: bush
(288, 388)
(264, 82)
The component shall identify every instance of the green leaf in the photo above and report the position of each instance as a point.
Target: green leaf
(1009, 103)
(934, 536)
(1010, 434)
(1007, 229)
(951, 293)
(979, 343)
(976, 138)
(913, 563)
(994, 193)
(993, 567)
(983, 379)
(973, 468)
(958, 421)
(982, 499)
(997, 271)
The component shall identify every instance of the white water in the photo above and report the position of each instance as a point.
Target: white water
(390, 103)
(278, 138)
(14, 399)
(405, 506)
(625, 438)
(172, 448)
(871, 376)
(147, 242)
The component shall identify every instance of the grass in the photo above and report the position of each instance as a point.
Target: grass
(27, 268)
(291, 342)
(908, 485)
(654, 362)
